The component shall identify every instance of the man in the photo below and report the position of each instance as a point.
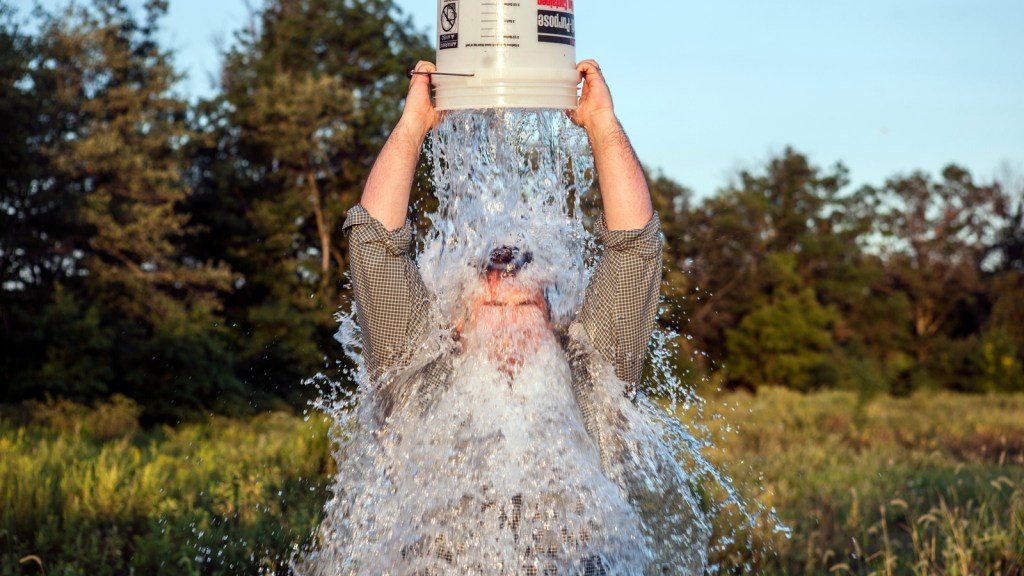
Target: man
(619, 310)
(507, 324)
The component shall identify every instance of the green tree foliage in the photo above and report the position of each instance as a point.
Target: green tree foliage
(76, 345)
(172, 252)
(19, 158)
(731, 245)
(997, 360)
(673, 204)
(1007, 294)
(115, 138)
(34, 218)
(792, 207)
(787, 339)
(788, 278)
(310, 93)
(936, 237)
(1006, 285)
(133, 147)
(995, 364)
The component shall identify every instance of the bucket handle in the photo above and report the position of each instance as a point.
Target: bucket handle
(412, 73)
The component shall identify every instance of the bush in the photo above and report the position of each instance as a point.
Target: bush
(116, 418)
(996, 363)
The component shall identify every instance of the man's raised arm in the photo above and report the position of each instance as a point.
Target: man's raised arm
(624, 193)
(386, 195)
(392, 304)
(622, 299)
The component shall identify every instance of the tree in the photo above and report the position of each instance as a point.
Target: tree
(938, 236)
(117, 160)
(1002, 347)
(34, 216)
(1009, 245)
(790, 208)
(672, 203)
(310, 93)
(787, 340)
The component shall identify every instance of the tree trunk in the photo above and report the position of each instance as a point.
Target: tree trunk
(321, 227)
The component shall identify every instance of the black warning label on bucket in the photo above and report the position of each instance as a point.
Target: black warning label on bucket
(556, 27)
(448, 25)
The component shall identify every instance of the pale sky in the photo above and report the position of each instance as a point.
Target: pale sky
(706, 88)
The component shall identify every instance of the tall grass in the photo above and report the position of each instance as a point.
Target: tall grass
(932, 484)
(221, 497)
(925, 485)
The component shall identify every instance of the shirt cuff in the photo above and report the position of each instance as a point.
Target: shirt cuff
(366, 229)
(644, 241)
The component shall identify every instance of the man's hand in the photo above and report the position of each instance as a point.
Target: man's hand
(419, 110)
(595, 108)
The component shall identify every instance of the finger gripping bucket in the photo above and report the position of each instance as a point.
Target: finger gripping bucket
(514, 54)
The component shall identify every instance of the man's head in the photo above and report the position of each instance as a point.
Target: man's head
(509, 315)
(507, 260)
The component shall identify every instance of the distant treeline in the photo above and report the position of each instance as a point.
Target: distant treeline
(188, 254)
(787, 277)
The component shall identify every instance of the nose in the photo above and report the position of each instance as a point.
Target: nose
(494, 281)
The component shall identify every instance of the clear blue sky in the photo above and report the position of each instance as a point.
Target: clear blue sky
(706, 88)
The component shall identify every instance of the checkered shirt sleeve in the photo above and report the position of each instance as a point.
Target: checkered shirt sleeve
(621, 302)
(392, 303)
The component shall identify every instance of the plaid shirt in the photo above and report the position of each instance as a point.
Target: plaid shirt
(393, 312)
(613, 327)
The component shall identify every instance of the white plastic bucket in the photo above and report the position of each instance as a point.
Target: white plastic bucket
(519, 53)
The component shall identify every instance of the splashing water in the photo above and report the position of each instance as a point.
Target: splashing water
(495, 472)
(511, 178)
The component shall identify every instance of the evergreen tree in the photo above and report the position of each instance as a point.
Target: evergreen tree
(787, 340)
(34, 216)
(118, 165)
(310, 93)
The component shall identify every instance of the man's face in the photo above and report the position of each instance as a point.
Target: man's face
(508, 317)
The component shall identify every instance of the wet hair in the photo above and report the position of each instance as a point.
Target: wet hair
(508, 260)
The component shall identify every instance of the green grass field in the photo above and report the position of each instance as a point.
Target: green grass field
(922, 485)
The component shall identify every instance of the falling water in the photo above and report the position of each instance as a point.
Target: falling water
(495, 472)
